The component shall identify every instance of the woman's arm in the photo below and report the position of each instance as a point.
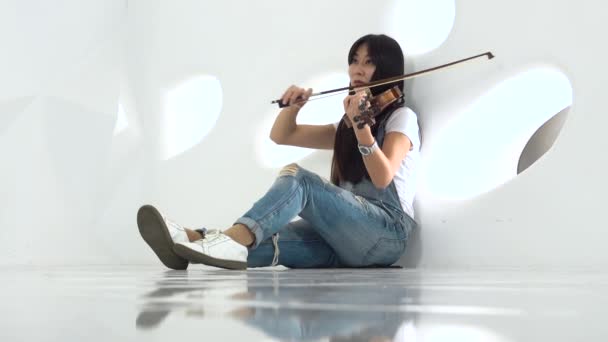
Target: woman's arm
(286, 131)
(383, 163)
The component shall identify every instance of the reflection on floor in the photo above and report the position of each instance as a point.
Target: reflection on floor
(277, 304)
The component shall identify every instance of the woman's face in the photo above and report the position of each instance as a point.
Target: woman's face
(361, 69)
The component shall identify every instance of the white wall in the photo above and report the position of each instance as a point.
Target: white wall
(62, 169)
(551, 214)
(71, 182)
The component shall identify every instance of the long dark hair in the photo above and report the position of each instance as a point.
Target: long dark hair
(385, 53)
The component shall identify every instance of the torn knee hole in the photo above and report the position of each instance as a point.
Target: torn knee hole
(289, 170)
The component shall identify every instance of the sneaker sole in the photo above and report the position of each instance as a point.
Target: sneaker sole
(198, 258)
(154, 231)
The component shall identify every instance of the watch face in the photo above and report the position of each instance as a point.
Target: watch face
(364, 150)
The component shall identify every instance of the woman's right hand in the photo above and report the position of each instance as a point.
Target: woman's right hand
(296, 96)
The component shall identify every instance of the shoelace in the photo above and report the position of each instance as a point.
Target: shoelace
(275, 243)
(212, 234)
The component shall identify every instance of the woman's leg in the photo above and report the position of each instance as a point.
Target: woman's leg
(299, 245)
(360, 232)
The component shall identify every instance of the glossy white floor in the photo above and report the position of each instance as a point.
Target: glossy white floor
(206, 304)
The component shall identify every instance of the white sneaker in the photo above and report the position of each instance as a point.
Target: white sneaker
(161, 234)
(216, 249)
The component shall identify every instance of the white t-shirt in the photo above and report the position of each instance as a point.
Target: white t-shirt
(405, 121)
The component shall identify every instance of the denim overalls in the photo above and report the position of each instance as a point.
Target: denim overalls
(347, 226)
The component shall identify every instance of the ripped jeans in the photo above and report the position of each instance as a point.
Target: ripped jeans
(338, 227)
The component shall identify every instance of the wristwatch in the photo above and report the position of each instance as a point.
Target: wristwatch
(367, 150)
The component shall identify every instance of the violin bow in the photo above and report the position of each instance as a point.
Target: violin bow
(377, 83)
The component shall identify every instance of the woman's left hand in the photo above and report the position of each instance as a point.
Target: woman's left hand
(352, 105)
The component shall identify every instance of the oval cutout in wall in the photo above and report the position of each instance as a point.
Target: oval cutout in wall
(190, 111)
(420, 26)
(542, 140)
(480, 148)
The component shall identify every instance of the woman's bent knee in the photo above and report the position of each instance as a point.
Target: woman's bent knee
(290, 170)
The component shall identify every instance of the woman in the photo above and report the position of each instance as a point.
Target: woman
(361, 219)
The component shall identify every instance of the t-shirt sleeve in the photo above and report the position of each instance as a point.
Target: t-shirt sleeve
(405, 121)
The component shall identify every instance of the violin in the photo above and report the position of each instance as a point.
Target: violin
(374, 105)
